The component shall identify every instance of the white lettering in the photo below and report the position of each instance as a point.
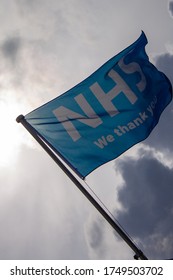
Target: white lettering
(110, 138)
(132, 68)
(152, 106)
(101, 142)
(90, 118)
(65, 116)
(106, 98)
(120, 130)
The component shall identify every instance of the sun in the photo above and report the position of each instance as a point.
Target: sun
(11, 136)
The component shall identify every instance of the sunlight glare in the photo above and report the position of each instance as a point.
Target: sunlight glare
(11, 133)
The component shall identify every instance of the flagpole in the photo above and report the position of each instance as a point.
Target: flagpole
(138, 253)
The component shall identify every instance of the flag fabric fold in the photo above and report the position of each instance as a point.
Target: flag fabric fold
(110, 111)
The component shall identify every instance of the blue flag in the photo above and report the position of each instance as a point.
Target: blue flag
(107, 113)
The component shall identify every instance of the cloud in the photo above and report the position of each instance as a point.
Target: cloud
(44, 64)
(44, 216)
(164, 63)
(162, 137)
(27, 4)
(171, 8)
(36, 212)
(10, 48)
(96, 235)
(146, 195)
(102, 242)
(147, 201)
(51, 46)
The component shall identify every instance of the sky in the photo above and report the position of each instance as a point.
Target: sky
(47, 47)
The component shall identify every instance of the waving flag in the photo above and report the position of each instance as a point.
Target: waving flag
(107, 113)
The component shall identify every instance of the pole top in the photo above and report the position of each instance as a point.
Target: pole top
(19, 118)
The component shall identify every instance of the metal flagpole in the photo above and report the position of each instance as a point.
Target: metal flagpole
(138, 253)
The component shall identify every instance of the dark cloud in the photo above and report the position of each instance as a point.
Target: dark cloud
(171, 8)
(147, 193)
(10, 48)
(164, 63)
(162, 136)
(147, 200)
(96, 235)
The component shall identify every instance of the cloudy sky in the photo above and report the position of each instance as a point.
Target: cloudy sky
(46, 47)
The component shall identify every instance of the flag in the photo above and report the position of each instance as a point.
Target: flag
(110, 111)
